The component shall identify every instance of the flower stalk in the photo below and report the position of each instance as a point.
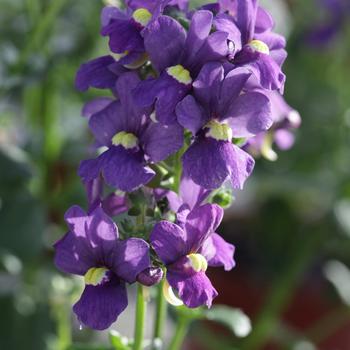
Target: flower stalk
(180, 333)
(141, 306)
(161, 314)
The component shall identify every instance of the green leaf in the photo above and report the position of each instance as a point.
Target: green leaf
(118, 341)
(234, 319)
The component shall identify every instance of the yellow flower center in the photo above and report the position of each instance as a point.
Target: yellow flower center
(142, 16)
(198, 262)
(259, 46)
(219, 131)
(95, 275)
(179, 73)
(125, 139)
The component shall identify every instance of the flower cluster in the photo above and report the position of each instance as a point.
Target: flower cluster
(191, 95)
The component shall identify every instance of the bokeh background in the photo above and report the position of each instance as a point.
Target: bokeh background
(291, 225)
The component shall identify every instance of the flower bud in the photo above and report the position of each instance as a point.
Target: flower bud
(150, 276)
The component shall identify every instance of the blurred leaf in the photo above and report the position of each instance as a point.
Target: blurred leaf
(234, 319)
(118, 341)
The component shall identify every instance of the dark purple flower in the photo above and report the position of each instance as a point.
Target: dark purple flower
(220, 109)
(187, 251)
(131, 139)
(253, 44)
(92, 249)
(178, 56)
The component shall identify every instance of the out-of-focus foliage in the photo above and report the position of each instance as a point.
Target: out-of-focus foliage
(295, 226)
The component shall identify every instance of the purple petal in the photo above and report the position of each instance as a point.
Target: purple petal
(192, 194)
(194, 289)
(123, 35)
(94, 190)
(91, 238)
(125, 170)
(169, 241)
(164, 41)
(205, 162)
(213, 49)
(96, 105)
(273, 40)
(224, 23)
(264, 21)
(109, 13)
(130, 258)
(190, 114)
(210, 162)
(249, 114)
(96, 73)
(241, 165)
(218, 252)
(160, 141)
(268, 72)
(106, 123)
(200, 223)
(99, 306)
(199, 29)
(208, 83)
(246, 19)
(284, 139)
(114, 204)
(232, 87)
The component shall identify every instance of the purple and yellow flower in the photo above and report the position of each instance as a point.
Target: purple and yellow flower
(92, 249)
(131, 140)
(253, 44)
(178, 56)
(219, 110)
(187, 252)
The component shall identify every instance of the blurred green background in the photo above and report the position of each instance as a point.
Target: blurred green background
(291, 225)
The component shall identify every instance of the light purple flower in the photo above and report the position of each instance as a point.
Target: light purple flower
(92, 249)
(132, 140)
(187, 251)
(220, 109)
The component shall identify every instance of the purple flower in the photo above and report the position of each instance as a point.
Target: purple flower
(253, 44)
(92, 249)
(131, 139)
(220, 109)
(178, 57)
(187, 251)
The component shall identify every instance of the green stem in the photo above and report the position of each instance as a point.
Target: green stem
(180, 333)
(139, 318)
(160, 314)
